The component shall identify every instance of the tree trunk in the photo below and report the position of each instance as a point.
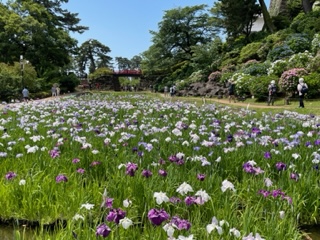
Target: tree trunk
(266, 17)
(306, 5)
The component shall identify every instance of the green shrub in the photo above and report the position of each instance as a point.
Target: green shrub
(281, 21)
(313, 83)
(250, 51)
(298, 42)
(226, 76)
(243, 82)
(307, 23)
(278, 67)
(259, 87)
(315, 44)
(68, 83)
(257, 69)
(314, 64)
(279, 52)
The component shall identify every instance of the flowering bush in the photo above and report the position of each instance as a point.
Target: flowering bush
(290, 78)
(298, 42)
(257, 69)
(315, 43)
(259, 86)
(278, 67)
(279, 52)
(242, 81)
(214, 76)
(300, 60)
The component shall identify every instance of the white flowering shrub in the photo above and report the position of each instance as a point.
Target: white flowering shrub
(242, 81)
(315, 44)
(298, 60)
(277, 67)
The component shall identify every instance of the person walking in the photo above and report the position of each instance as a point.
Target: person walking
(53, 91)
(231, 91)
(25, 94)
(58, 90)
(302, 90)
(272, 91)
(165, 90)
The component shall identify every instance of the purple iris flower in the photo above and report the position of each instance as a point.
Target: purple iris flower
(317, 142)
(54, 153)
(277, 192)
(180, 162)
(173, 158)
(281, 166)
(131, 168)
(189, 200)
(175, 200)
(162, 161)
(247, 167)
(196, 148)
(108, 202)
(94, 163)
(81, 170)
(157, 216)
(146, 173)
(162, 173)
(184, 126)
(76, 160)
(201, 176)
(10, 175)
(308, 143)
(267, 155)
(294, 176)
(265, 193)
(103, 230)
(61, 178)
(256, 130)
(135, 149)
(115, 215)
(181, 223)
(229, 138)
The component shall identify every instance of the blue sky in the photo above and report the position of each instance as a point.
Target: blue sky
(124, 25)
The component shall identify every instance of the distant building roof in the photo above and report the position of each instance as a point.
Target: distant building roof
(258, 24)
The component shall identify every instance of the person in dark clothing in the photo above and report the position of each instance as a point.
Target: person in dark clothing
(231, 91)
(272, 91)
(301, 90)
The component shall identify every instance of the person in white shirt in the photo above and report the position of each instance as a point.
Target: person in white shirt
(301, 86)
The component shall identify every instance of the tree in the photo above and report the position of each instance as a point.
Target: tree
(171, 53)
(92, 54)
(182, 28)
(135, 62)
(237, 16)
(266, 16)
(38, 30)
(123, 63)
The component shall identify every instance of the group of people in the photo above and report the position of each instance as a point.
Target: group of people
(55, 91)
(302, 89)
(172, 90)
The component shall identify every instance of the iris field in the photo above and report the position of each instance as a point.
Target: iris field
(135, 167)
